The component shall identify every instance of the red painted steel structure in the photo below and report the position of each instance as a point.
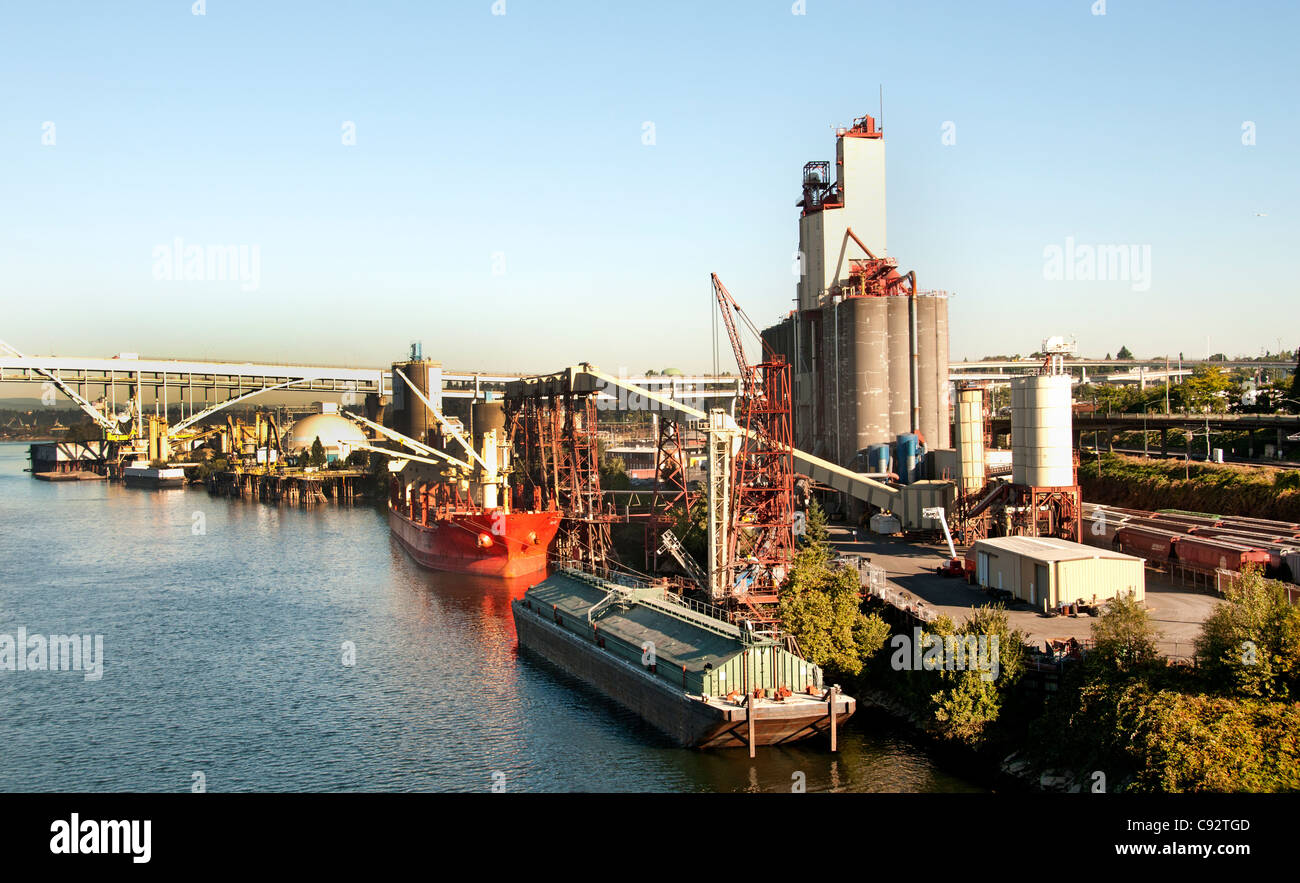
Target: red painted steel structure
(672, 494)
(761, 535)
(553, 437)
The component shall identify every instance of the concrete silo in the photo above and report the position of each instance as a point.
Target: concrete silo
(1042, 450)
(869, 350)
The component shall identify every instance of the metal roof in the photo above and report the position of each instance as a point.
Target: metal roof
(1049, 549)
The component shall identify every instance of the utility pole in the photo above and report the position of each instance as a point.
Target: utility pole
(1168, 380)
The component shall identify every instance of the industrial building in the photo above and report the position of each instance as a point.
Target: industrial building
(869, 350)
(1047, 572)
(336, 433)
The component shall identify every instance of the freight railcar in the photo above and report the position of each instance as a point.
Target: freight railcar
(1212, 554)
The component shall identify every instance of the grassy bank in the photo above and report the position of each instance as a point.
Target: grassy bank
(1222, 489)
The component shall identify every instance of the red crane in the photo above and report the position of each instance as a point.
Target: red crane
(762, 513)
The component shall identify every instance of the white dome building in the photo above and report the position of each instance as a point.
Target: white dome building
(337, 435)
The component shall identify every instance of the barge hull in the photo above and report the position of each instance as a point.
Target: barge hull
(689, 721)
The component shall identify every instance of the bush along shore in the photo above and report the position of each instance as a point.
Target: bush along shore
(1118, 718)
(1221, 489)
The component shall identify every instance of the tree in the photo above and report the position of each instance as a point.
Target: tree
(1124, 638)
(821, 606)
(815, 531)
(84, 431)
(1205, 389)
(1124, 353)
(971, 700)
(613, 474)
(317, 456)
(1251, 642)
(1295, 378)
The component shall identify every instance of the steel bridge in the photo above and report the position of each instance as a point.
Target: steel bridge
(201, 388)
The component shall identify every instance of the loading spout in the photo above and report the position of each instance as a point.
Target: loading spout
(408, 442)
(859, 487)
(442, 421)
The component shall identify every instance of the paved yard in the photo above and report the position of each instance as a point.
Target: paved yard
(1178, 612)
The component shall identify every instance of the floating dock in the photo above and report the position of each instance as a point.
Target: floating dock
(153, 477)
(702, 681)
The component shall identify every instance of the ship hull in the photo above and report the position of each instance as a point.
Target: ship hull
(485, 544)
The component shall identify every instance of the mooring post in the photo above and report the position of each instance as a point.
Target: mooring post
(834, 743)
(749, 716)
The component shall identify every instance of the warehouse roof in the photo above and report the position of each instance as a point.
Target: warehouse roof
(1049, 549)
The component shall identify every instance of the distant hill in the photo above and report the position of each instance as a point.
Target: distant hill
(35, 403)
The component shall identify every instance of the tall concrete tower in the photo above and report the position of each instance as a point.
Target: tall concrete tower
(869, 350)
(854, 199)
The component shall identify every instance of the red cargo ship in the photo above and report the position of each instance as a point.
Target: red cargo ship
(488, 542)
(455, 511)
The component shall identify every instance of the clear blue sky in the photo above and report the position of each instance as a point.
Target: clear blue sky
(522, 135)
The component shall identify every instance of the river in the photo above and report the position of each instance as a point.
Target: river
(224, 625)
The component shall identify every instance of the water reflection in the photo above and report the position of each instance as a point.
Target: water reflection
(224, 652)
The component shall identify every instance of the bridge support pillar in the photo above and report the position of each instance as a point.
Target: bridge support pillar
(1164, 442)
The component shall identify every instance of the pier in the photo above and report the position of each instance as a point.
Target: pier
(295, 487)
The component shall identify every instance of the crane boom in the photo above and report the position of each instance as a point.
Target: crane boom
(447, 427)
(726, 303)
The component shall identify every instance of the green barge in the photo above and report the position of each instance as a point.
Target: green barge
(702, 681)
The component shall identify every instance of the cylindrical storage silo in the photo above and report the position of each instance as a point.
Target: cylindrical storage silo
(1017, 432)
(871, 369)
(943, 417)
(878, 458)
(1041, 431)
(928, 352)
(905, 458)
(487, 416)
(421, 419)
(900, 367)
(970, 439)
(413, 417)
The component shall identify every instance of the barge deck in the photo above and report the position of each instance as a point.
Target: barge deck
(700, 680)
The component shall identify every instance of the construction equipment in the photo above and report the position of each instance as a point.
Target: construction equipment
(954, 566)
(669, 543)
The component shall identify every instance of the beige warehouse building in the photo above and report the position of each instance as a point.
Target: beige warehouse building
(1047, 572)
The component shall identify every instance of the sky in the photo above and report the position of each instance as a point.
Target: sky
(526, 190)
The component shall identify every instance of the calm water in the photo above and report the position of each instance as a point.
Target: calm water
(223, 655)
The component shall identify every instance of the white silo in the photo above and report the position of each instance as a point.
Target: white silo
(970, 438)
(1042, 453)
